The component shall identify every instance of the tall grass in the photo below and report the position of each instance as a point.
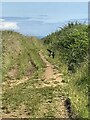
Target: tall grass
(21, 54)
(70, 45)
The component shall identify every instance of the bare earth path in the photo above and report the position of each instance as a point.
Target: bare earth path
(51, 75)
(54, 106)
(53, 78)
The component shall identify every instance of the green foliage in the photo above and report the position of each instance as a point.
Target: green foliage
(71, 44)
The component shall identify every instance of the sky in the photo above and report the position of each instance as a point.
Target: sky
(44, 0)
(40, 18)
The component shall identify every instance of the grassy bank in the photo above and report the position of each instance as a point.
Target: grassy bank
(20, 55)
(70, 45)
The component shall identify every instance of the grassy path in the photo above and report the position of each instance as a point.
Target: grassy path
(52, 77)
(41, 96)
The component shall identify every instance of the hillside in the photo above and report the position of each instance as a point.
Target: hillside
(20, 55)
(36, 85)
(70, 45)
(30, 83)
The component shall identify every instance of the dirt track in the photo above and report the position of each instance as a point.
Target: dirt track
(51, 74)
(52, 78)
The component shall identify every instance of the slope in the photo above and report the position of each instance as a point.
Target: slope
(20, 56)
(70, 45)
(39, 93)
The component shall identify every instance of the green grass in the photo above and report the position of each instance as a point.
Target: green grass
(78, 91)
(77, 86)
(71, 43)
(33, 98)
(20, 53)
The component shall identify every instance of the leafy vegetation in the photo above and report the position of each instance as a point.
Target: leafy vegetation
(71, 42)
(70, 45)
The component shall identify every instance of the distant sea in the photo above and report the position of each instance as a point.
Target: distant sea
(39, 28)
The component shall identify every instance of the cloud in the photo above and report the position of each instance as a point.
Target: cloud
(1, 20)
(8, 25)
